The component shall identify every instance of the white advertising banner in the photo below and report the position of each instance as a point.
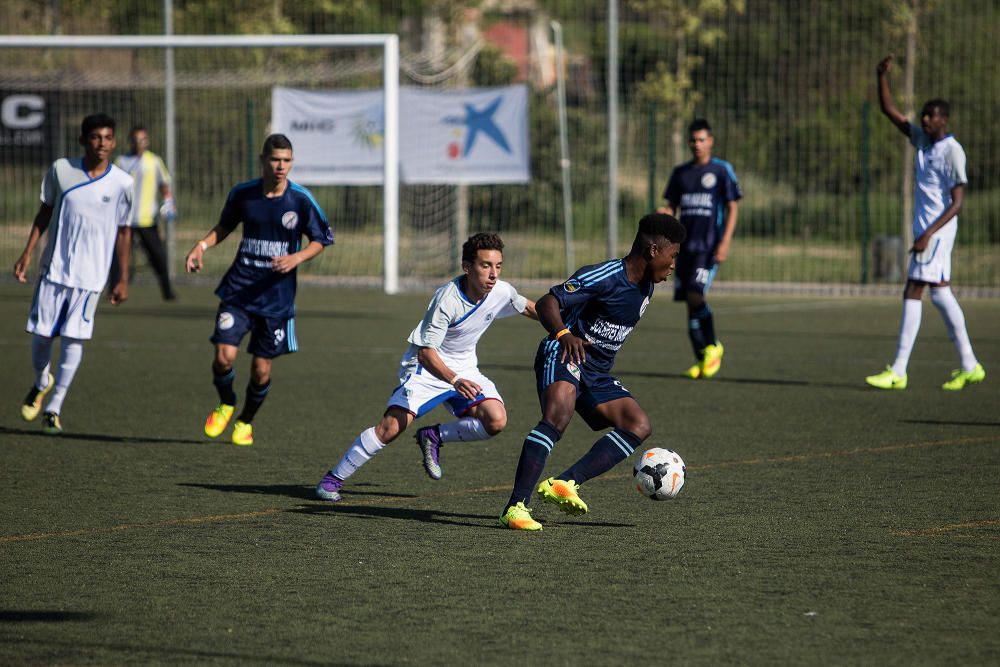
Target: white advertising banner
(465, 136)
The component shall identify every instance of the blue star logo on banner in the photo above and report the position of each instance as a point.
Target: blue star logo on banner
(480, 121)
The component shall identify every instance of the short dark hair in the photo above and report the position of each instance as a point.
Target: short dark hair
(480, 241)
(937, 103)
(138, 128)
(275, 141)
(699, 124)
(656, 226)
(95, 121)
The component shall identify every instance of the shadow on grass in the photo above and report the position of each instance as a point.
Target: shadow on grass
(22, 616)
(946, 422)
(207, 312)
(99, 437)
(296, 491)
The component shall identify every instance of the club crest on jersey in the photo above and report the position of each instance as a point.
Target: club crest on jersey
(289, 220)
(572, 285)
(226, 321)
(106, 199)
(708, 180)
(573, 369)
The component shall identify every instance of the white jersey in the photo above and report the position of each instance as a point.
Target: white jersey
(940, 167)
(86, 215)
(453, 325)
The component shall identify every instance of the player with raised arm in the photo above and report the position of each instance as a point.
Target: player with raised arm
(703, 194)
(257, 293)
(86, 207)
(441, 366)
(588, 318)
(939, 195)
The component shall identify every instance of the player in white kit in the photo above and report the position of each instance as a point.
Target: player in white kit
(86, 208)
(441, 367)
(940, 192)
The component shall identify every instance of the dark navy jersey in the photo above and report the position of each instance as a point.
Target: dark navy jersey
(600, 304)
(271, 227)
(699, 194)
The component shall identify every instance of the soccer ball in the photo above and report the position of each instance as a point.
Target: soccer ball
(659, 474)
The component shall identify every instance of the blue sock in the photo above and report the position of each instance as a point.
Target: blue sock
(256, 393)
(534, 452)
(606, 453)
(224, 385)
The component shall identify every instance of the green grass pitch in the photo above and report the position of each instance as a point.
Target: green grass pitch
(821, 522)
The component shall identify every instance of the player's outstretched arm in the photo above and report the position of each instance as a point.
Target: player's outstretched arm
(432, 361)
(38, 227)
(885, 97)
(529, 310)
(285, 263)
(193, 262)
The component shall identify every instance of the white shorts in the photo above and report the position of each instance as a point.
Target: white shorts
(57, 309)
(420, 392)
(933, 265)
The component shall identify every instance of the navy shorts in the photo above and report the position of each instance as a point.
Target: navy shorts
(593, 388)
(270, 337)
(694, 273)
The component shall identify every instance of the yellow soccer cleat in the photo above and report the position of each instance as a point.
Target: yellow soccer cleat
(887, 379)
(563, 494)
(712, 361)
(218, 420)
(518, 517)
(694, 372)
(242, 433)
(960, 378)
(51, 424)
(33, 401)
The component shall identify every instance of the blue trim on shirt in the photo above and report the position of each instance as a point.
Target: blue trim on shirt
(312, 200)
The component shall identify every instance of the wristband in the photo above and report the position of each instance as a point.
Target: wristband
(453, 380)
(204, 246)
(561, 333)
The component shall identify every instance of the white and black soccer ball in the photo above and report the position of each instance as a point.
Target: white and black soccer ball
(659, 473)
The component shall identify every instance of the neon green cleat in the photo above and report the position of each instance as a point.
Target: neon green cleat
(51, 424)
(242, 433)
(518, 517)
(563, 494)
(33, 401)
(960, 378)
(712, 362)
(694, 372)
(887, 379)
(218, 420)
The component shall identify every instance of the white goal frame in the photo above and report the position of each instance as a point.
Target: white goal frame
(390, 77)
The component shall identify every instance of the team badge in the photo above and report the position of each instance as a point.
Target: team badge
(226, 321)
(708, 180)
(105, 199)
(573, 369)
(572, 285)
(289, 220)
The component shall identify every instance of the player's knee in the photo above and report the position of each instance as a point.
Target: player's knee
(640, 427)
(494, 424)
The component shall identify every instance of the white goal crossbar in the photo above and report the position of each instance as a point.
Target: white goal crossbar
(390, 75)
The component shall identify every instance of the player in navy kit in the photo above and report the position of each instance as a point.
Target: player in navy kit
(702, 193)
(258, 291)
(588, 318)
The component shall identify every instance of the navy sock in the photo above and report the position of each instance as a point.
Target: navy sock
(707, 325)
(701, 330)
(256, 393)
(606, 453)
(534, 452)
(224, 385)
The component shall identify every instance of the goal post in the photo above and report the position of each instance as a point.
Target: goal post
(390, 74)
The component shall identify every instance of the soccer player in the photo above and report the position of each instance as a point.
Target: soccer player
(588, 318)
(86, 206)
(441, 366)
(940, 192)
(257, 293)
(152, 184)
(703, 194)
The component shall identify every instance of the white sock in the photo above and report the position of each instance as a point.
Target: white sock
(41, 356)
(364, 447)
(466, 429)
(908, 328)
(70, 355)
(954, 319)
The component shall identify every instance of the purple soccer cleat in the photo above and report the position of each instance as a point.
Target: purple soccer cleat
(329, 488)
(429, 441)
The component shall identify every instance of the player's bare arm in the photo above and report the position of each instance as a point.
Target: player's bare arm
(431, 360)
(668, 209)
(957, 199)
(573, 348)
(885, 97)
(193, 262)
(529, 310)
(285, 263)
(38, 227)
(732, 214)
(123, 248)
